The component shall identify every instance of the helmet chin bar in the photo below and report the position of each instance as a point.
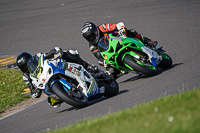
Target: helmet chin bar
(97, 38)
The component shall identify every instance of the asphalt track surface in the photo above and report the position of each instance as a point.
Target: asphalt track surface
(39, 25)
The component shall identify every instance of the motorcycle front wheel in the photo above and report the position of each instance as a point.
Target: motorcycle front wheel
(75, 99)
(147, 69)
(166, 61)
(111, 87)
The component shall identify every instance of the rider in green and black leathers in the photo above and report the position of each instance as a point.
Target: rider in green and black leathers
(93, 34)
(70, 56)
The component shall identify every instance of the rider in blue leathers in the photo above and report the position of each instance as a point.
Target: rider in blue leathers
(70, 56)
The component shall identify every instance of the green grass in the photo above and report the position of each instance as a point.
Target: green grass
(11, 88)
(172, 114)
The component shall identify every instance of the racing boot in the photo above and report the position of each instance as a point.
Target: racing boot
(53, 101)
(92, 68)
(152, 43)
(149, 42)
(114, 73)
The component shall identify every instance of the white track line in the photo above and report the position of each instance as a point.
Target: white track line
(22, 109)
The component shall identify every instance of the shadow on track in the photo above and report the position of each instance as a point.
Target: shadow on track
(120, 92)
(145, 76)
(104, 98)
(174, 65)
(93, 102)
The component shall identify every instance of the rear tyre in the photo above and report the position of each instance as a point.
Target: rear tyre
(133, 64)
(67, 97)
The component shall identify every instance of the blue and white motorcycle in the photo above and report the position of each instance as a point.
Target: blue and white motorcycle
(70, 82)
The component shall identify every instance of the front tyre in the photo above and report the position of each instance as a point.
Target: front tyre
(111, 87)
(67, 97)
(166, 61)
(150, 71)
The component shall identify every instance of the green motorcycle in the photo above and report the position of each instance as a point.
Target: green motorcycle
(130, 54)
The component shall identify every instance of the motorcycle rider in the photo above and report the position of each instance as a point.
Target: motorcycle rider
(70, 56)
(93, 34)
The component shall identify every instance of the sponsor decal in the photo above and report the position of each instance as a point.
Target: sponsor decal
(43, 80)
(94, 90)
(78, 73)
(104, 26)
(70, 68)
(65, 66)
(19, 61)
(91, 47)
(91, 86)
(99, 74)
(105, 57)
(85, 30)
(102, 89)
(74, 70)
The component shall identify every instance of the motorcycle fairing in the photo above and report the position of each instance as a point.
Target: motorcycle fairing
(93, 89)
(125, 43)
(38, 71)
(153, 56)
(49, 68)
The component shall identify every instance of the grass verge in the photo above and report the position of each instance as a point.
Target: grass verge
(172, 114)
(11, 88)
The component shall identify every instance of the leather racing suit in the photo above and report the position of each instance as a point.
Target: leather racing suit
(70, 56)
(114, 29)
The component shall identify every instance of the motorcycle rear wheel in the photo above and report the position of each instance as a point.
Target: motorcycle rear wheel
(64, 96)
(133, 64)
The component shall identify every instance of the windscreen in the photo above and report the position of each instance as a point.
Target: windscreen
(103, 44)
(32, 64)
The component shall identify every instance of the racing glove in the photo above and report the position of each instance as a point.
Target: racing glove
(54, 53)
(122, 29)
(102, 63)
(152, 43)
(149, 42)
(120, 25)
(35, 93)
(122, 32)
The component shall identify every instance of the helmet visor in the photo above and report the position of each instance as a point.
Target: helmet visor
(23, 68)
(32, 65)
(93, 37)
